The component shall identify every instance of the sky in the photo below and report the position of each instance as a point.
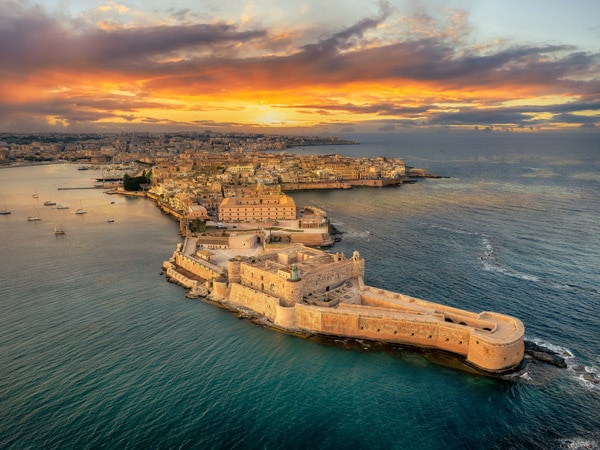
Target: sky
(299, 66)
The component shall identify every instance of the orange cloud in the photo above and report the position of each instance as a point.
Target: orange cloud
(368, 73)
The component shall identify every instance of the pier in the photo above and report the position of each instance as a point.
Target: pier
(73, 188)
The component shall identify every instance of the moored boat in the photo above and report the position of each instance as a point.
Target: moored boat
(5, 212)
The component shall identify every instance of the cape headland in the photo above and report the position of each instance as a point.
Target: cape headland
(305, 290)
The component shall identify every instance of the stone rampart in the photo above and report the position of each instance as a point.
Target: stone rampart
(311, 239)
(198, 267)
(179, 278)
(481, 350)
(315, 185)
(259, 302)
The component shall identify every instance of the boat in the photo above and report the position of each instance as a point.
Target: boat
(83, 168)
(34, 218)
(5, 212)
(110, 220)
(58, 230)
(34, 196)
(62, 207)
(49, 203)
(80, 211)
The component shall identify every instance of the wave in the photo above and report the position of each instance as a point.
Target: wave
(357, 234)
(488, 256)
(579, 443)
(587, 375)
(557, 349)
(455, 230)
(491, 263)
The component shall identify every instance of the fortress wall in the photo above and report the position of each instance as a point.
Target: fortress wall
(308, 317)
(243, 240)
(454, 338)
(414, 332)
(341, 324)
(497, 356)
(311, 239)
(315, 185)
(181, 279)
(400, 330)
(293, 291)
(464, 318)
(358, 271)
(233, 271)
(196, 267)
(329, 276)
(220, 289)
(369, 183)
(257, 301)
(381, 298)
(369, 300)
(263, 280)
(285, 317)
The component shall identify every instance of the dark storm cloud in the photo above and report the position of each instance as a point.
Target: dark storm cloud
(33, 40)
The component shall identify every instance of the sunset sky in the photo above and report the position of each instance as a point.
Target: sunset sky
(301, 66)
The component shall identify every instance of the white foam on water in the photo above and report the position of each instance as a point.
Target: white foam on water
(580, 443)
(525, 376)
(577, 371)
(562, 351)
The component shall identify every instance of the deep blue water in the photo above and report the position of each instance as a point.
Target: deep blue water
(98, 350)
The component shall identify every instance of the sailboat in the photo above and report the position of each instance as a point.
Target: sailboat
(58, 230)
(5, 212)
(34, 218)
(49, 202)
(80, 211)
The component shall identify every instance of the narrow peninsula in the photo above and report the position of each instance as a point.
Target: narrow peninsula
(305, 290)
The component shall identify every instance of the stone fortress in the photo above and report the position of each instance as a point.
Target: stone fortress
(309, 291)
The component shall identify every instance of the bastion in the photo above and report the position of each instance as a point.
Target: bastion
(306, 290)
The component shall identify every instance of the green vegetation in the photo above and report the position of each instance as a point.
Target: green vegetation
(36, 159)
(134, 183)
(197, 225)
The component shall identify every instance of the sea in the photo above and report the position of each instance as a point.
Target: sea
(99, 350)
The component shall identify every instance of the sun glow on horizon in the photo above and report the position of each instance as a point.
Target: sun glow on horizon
(385, 67)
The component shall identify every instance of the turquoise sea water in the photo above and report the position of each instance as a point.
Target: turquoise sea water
(98, 350)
